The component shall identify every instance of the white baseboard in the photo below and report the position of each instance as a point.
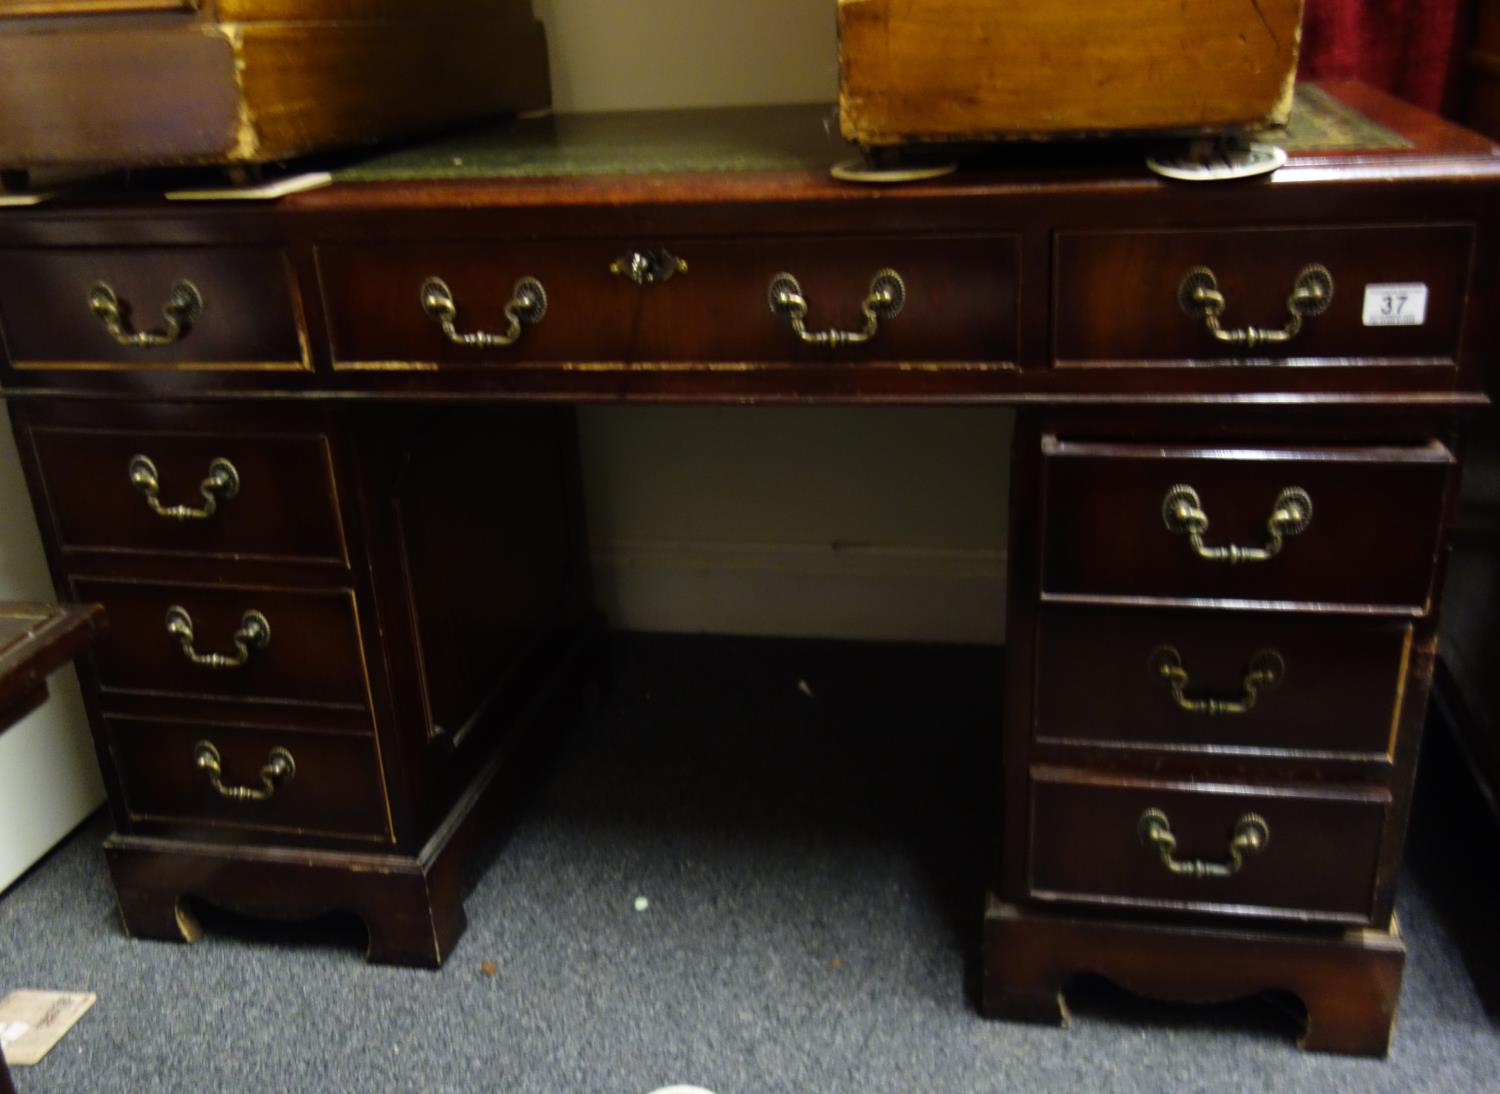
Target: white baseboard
(804, 590)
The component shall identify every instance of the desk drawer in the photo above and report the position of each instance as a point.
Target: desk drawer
(959, 301)
(1319, 862)
(312, 655)
(247, 315)
(1117, 294)
(1237, 682)
(1371, 537)
(330, 786)
(272, 496)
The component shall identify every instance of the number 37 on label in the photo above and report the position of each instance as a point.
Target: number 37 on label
(1403, 305)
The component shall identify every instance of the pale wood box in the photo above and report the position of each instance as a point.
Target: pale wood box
(113, 83)
(964, 70)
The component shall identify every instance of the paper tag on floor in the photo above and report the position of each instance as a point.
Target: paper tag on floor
(31, 1022)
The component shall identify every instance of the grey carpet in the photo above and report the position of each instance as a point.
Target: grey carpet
(812, 927)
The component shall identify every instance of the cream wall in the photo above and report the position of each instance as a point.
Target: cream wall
(869, 523)
(49, 779)
(877, 523)
(645, 54)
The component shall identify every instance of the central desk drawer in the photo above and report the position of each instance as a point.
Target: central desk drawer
(1352, 526)
(1217, 682)
(959, 301)
(292, 645)
(1319, 860)
(211, 308)
(299, 780)
(1118, 294)
(203, 493)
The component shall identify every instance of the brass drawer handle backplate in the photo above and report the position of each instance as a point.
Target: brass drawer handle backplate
(883, 300)
(527, 304)
(223, 482)
(254, 634)
(648, 267)
(279, 768)
(1250, 836)
(1182, 510)
(183, 308)
(1200, 298)
(1265, 671)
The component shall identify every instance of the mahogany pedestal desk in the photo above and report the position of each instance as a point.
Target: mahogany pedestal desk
(316, 458)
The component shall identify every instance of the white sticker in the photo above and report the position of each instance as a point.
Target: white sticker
(1403, 305)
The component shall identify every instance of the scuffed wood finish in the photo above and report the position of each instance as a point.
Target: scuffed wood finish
(1092, 741)
(316, 11)
(421, 619)
(286, 506)
(1139, 272)
(410, 900)
(1348, 982)
(716, 311)
(255, 82)
(462, 583)
(966, 69)
(16, 8)
(977, 251)
(335, 792)
(307, 87)
(1371, 540)
(35, 640)
(1336, 698)
(313, 656)
(1319, 864)
(251, 317)
(90, 100)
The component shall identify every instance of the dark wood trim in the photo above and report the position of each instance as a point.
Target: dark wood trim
(1039, 951)
(36, 640)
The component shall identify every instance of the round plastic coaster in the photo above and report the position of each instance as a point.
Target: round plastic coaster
(1219, 163)
(858, 170)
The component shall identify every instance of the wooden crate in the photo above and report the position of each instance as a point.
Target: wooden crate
(963, 70)
(110, 83)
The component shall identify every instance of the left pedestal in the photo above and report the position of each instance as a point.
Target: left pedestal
(332, 629)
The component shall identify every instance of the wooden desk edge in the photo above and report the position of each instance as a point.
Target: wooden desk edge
(60, 635)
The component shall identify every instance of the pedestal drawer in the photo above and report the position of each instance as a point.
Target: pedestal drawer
(1334, 526)
(1293, 684)
(159, 307)
(1318, 858)
(310, 653)
(202, 493)
(1120, 295)
(277, 779)
(957, 301)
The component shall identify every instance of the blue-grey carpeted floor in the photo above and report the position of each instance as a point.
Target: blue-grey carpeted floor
(812, 926)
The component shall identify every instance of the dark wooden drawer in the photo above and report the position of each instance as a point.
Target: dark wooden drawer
(960, 301)
(334, 789)
(313, 656)
(250, 317)
(1320, 861)
(283, 503)
(1117, 293)
(1294, 684)
(1371, 539)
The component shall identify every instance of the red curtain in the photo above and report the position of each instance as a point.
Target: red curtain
(1410, 48)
